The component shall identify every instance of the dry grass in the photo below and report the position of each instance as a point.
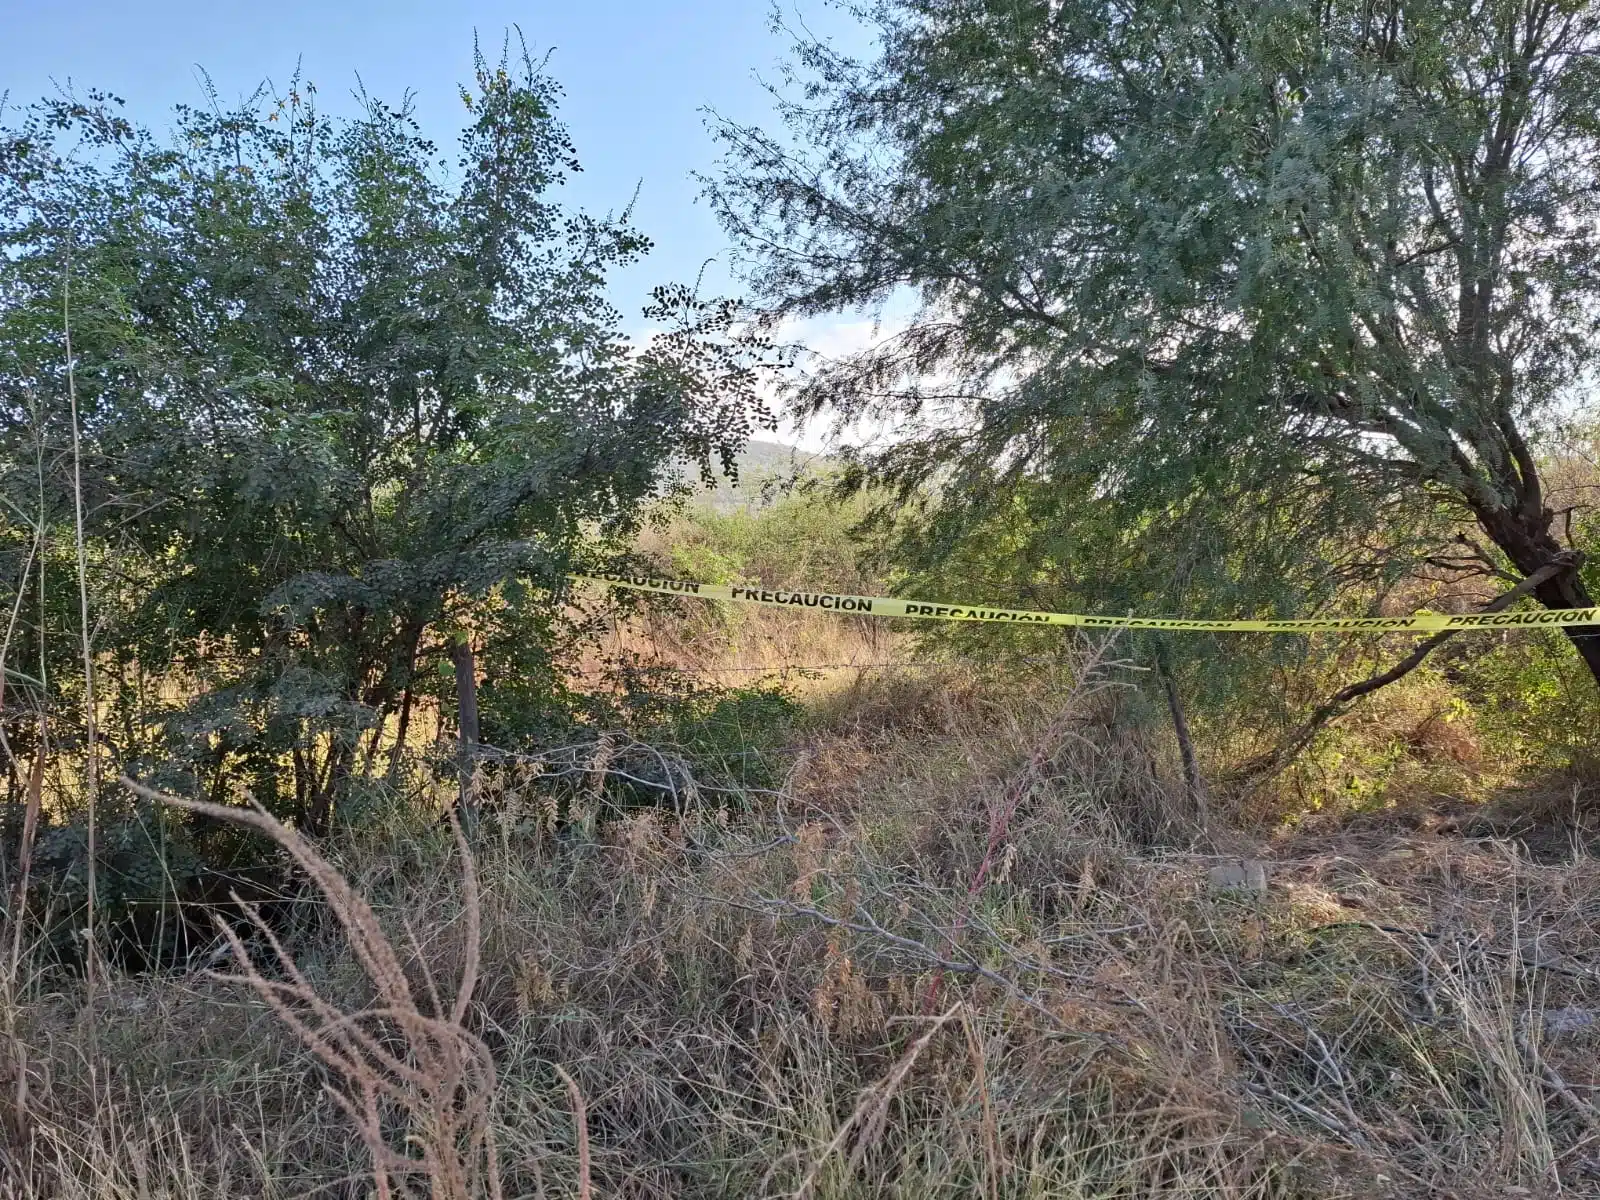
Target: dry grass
(734, 646)
(813, 653)
(394, 1056)
(740, 1007)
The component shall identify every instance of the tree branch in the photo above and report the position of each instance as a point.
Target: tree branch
(1263, 770)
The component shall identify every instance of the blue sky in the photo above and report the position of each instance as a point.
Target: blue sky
(637, 74)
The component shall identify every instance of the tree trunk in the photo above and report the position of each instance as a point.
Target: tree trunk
(1568, 591)
(1194, 781)
(303, 782)
(407, 671)
(466, 721)
(1529, 544)
(219, 777)
(397, 754)
(341, 758)
(371, 752)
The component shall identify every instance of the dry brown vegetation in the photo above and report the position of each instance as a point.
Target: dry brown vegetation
(967, 949)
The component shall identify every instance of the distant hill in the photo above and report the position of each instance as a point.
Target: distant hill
(768, 456)
(761, 466)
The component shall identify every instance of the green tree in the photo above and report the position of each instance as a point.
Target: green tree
(339, 393)
(1214, 287)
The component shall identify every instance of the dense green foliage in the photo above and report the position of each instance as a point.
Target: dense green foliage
(804, 538)
(342, 400)
(1217, 308)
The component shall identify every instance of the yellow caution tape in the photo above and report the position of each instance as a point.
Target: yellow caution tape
(888, 606)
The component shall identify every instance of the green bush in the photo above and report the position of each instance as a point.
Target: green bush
(729, 739)
(1533, 698)
(806, 538)
(739, 736)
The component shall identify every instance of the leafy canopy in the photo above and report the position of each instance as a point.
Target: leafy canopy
(342, 397)
(1213, 292)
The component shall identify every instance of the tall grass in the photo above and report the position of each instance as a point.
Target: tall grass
(740, 1006)
(403, 1056)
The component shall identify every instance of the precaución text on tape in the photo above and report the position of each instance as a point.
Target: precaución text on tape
(892, 606)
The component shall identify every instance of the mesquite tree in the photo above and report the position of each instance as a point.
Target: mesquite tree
(338, 392)
(1305, 271)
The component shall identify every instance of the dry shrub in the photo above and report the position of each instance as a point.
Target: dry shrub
(1441, 735)
(734, 645)
(392, 1056)
(927, 758)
